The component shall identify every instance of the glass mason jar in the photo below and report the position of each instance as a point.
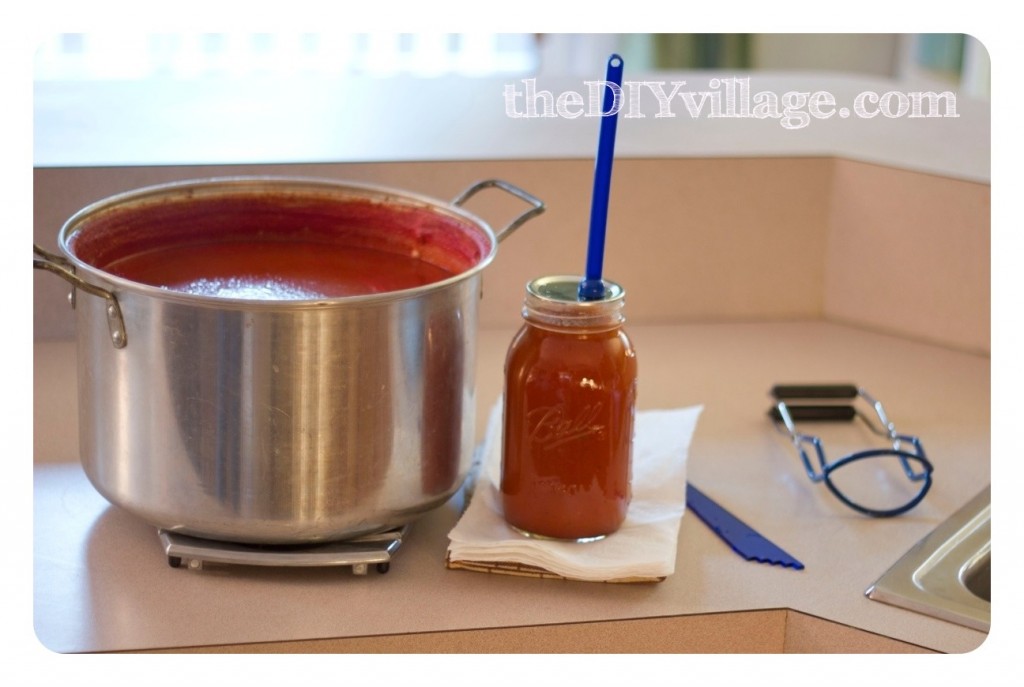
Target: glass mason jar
(570, 399)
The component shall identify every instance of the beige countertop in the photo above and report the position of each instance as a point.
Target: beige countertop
(102, 583)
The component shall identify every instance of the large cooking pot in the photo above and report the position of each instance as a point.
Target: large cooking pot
(284, 418)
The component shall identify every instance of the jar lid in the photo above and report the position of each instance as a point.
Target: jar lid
(555, 300)
(565, 289)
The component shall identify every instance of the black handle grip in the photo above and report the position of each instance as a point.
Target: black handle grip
(817, 413)
(784, 391)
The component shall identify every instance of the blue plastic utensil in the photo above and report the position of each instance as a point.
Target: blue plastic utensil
(592, 287)
(736, 533)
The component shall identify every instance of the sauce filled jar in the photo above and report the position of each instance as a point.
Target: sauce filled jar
(570, 399)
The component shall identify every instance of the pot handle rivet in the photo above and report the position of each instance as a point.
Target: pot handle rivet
(65, 270)
(536, 203)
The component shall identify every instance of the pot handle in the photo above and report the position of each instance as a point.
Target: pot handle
(537, 203)
(63, 268)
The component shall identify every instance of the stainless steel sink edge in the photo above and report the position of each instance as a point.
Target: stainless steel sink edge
(937, 575)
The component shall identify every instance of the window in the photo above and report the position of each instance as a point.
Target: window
(120, 56)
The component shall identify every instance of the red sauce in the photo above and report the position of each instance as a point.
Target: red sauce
(294, 243)
(276, 270)
(569, 403)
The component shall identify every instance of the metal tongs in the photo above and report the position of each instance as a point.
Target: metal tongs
(836, 402)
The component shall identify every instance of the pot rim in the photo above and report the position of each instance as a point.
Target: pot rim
(375, 192)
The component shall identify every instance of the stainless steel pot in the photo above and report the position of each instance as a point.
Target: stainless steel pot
(268, 421)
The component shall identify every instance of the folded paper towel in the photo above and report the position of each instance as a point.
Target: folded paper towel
(644, 548)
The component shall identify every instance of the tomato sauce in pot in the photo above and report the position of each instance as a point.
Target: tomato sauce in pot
(277, 270)
(278, 246)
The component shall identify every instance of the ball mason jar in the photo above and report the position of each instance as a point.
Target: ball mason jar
(569, 406)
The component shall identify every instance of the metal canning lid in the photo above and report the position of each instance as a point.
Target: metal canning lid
(555, 301)
(565, 289)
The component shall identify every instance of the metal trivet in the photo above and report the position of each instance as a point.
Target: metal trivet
(360, 553)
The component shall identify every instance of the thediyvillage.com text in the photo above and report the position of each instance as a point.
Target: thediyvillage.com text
(724, 98)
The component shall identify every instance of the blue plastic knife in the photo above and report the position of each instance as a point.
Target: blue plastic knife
(736, 533)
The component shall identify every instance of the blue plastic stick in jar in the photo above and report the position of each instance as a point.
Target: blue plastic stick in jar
(592, 287)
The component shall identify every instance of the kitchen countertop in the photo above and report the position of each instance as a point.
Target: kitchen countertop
(102, 583)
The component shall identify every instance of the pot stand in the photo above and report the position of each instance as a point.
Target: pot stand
(373, 549)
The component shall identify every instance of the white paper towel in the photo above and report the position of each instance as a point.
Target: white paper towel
(643, 549)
